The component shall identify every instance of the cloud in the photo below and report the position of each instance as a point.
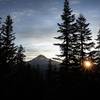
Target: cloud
(74, 2)
(30, 23)
(5, 0)
(42, 48)
(95, 14)
(20, 14)
(35, 22)
(36, 28)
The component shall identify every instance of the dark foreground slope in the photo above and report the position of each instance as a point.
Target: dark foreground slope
(24, 80)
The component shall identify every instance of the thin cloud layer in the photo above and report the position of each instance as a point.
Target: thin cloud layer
(35, 22)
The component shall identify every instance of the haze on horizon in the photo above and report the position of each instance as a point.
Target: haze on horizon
(35, 22)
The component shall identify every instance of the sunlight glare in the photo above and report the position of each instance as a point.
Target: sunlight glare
(87, 64)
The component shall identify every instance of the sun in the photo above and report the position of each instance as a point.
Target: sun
(87, 64)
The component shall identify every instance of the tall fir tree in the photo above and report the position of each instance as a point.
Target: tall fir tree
(98, 49)
(0, 41)
(84, 37)
(67, 30)
(8, 46)
(20, 57)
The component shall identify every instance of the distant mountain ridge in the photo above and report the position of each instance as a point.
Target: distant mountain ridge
(42, 62)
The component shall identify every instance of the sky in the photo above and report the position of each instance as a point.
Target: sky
(35, 22)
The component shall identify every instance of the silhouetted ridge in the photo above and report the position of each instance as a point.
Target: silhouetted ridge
(41, 57)
(42, 62)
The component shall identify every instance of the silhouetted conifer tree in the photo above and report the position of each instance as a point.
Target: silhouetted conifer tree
(20, 57)
(0, 42)
(68, 38)
(84, 37)
(8, 37)
(98, 49)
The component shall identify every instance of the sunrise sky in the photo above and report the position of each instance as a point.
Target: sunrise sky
(35, 22)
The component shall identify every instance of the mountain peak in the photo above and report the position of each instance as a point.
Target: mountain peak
(42, 62)
(41, 57)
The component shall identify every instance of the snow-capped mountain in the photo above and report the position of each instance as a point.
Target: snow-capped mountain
(42, 62)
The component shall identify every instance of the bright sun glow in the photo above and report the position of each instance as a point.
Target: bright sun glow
(87, 64)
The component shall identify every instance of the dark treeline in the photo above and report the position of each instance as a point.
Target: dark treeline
(18, 78)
